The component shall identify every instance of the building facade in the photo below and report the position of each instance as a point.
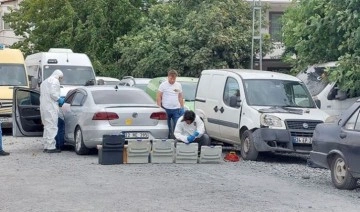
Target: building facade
(275, 10)
(7, 35)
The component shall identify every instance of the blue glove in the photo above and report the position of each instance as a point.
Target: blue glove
(190, 138)
(196, 134)
(61, 101)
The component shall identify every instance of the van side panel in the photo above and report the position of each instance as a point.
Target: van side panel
(207, 103)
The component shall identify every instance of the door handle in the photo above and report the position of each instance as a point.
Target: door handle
(342, 135)
(222, 110)
(216, 109)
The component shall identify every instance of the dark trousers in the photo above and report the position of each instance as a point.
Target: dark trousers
(60, 140)
(204, 140)
(172, 117)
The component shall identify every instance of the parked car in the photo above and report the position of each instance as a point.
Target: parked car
(107, 81)
(188, 85)
(92, 112)
(260, 110)
(135, 82)
(328, 96)
(336, 146)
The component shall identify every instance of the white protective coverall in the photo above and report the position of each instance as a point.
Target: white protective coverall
(49, 108)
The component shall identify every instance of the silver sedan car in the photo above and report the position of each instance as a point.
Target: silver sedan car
(93, 111)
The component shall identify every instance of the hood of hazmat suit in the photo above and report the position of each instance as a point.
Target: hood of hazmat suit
(49, 107)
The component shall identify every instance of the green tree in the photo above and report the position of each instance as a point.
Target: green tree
(189, 36)
(318, 31)
(42, 24)
(90, 26)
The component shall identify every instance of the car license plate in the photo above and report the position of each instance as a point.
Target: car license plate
(136, 135)
(302, 140)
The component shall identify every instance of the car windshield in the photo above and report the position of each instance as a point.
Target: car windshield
(73, 75)
(12, 75)
(314, 79)
(281, 93)
(189, 89)
(121, 97)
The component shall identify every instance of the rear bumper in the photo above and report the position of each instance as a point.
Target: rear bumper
(319, 159)
(277, 140)
(93, 136)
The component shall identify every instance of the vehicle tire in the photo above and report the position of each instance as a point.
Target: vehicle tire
(80, 148)
(340, 175)
(248, 150)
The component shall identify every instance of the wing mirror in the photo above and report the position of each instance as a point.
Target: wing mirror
(341, 95)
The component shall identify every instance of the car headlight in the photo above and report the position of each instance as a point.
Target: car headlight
(331, 119)
(270, 121)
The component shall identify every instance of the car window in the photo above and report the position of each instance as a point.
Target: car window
(353, 122)
(121, 97)
(28, 98)
(280, 93)
(78, 99)
(189, 90)
(70, 97)
(314, 79)
(231, 94)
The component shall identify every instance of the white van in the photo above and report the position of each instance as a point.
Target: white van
(329, 98)
(76, 67)
(261, 111)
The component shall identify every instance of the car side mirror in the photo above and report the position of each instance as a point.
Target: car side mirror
(238, 103)
(341, 95)
(318, 103)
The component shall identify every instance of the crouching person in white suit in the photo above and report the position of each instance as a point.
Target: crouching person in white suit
(190, 128)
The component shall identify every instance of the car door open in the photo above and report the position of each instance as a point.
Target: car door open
(26, 111)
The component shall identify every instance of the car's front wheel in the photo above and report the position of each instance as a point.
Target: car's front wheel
(80, 148)
(248, 150)
(340, 175)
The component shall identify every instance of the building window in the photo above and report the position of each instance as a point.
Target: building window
(6, 26)
(275, 26)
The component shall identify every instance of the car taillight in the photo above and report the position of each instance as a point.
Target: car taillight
(159, 116)
(105, 116)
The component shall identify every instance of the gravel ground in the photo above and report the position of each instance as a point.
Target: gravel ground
(35, 181)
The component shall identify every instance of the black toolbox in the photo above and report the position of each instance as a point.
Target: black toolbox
(112, 149)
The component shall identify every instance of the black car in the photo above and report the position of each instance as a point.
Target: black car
(336, 146)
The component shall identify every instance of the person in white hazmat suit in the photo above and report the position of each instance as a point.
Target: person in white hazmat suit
(50, 101)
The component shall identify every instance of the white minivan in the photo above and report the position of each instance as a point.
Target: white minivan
(76, 67)
(261, 111)
(330, 99)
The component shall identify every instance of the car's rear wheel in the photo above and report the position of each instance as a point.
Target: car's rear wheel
(340, 175)
(80, 148)
(248, 150)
